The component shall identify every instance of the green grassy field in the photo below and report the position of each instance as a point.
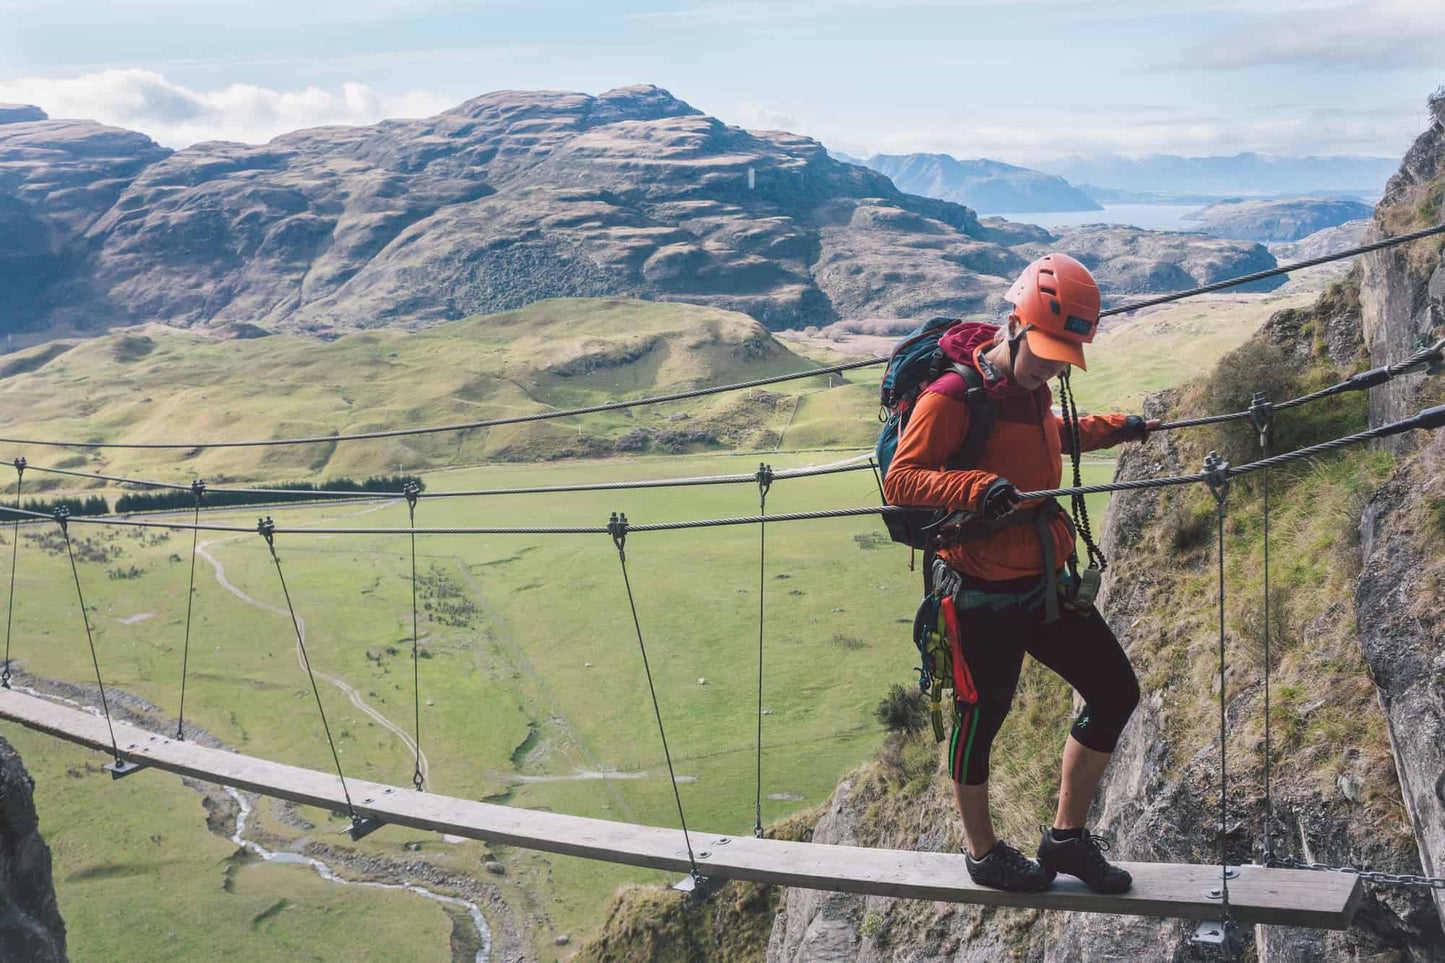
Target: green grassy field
(532, 684)
(543, 678)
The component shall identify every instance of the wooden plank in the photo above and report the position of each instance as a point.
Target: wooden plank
(1258, 895)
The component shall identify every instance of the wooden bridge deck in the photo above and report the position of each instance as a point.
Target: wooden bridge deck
(1258, 895)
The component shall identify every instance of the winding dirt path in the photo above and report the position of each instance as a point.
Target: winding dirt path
(350, 691)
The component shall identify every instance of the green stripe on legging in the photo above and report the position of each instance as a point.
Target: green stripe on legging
(953, 755)
(968, 747)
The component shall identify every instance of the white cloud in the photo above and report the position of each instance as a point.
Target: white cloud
(1367, 33)
(178, 116)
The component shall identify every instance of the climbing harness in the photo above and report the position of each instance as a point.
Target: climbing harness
(198, 488)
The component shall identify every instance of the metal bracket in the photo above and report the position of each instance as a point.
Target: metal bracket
(20, 464)
(764, 476)
(122, 768)
(198, 488)
(1218, 933)
(412, 491)
(617, 528)
(699, 887)
(1216, 472)
(363, 826)
(267, 530)
(1432, 364)
(1263, 414)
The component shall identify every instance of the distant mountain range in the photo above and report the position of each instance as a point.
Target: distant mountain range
(1239, 174)
(1284, 220)
(504, 200)
(987, 186)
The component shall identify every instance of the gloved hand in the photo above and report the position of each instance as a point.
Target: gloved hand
(1136, 428)
(999, 498)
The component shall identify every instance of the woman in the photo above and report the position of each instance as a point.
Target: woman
(1005, 581)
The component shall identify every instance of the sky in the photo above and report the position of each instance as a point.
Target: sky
(1019, 81)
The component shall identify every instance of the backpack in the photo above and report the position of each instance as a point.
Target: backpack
(916, 362)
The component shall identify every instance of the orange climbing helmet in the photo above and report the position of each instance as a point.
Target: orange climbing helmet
(1056, 301)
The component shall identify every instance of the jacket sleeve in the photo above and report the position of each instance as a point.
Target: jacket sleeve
(916, 476)
(1096, 431)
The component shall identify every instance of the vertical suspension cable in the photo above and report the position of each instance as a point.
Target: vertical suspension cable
(1263, 413)
(412, 490)
(765, 481)
(617, 528)
(62, 516)
(14, 558)
(198, 488)
(267, 530)
(1080, 508)
(1218, 481)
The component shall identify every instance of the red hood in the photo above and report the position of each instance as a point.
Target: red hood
(960, 342)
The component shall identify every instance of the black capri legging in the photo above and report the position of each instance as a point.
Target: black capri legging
(1079, 646)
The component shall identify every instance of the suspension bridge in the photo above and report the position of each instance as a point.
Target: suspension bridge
(1278, 891)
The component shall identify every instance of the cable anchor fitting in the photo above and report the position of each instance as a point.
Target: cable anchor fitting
(198, 488)
(1216, 476)
(764, 477)
(62, 517)
(20, 465)
(617, 528)
(411, 491)
(1431, 360)
(1263, 414)
(267, 530)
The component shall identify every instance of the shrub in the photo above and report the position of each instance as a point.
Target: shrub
(903, 709)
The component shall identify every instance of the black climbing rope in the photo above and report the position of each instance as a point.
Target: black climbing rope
(765, 481)
(198, 488)
(412, 490)
(617, 527)
(267, 530)
(1217, 478)
(61, 517)
(1079, 508)
(14, 559)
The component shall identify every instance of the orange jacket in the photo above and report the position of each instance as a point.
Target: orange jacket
(1025, 447)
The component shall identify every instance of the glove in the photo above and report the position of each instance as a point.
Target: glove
(999, 498)
(1134, 428)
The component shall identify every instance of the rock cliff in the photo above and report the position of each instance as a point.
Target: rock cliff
(30, 925)
(507, 199)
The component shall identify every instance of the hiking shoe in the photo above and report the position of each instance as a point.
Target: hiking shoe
(1004, 867)
(1083, 857)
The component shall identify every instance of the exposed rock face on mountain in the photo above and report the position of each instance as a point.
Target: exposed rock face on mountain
(1402, 587)
(507, 199)
(30, 925)
(986, 186)
(1128, 260)
(1329, 240)
(1283, 220)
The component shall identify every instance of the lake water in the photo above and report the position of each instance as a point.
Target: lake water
(1154, 217)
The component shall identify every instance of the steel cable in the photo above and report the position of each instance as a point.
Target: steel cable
(60, 517)
(14, 560)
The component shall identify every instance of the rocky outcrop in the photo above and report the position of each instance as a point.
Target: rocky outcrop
(1402, 585)
(507, 199)
(1129, 260)
(30, 925)
(1281, 220)
(987, 186)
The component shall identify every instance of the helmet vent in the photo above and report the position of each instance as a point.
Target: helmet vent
(1048, 290)
(1048, 271)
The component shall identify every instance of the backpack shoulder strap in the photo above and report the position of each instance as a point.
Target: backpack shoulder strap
(981, 416)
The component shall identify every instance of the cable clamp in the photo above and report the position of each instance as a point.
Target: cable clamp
(1263, 414)
(198, 488)
(1431, 362)
(1216, 476)
(62, 515)
(617, 528)
(267, 530)
(20, 464)
(412, 491)
(764, 476)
